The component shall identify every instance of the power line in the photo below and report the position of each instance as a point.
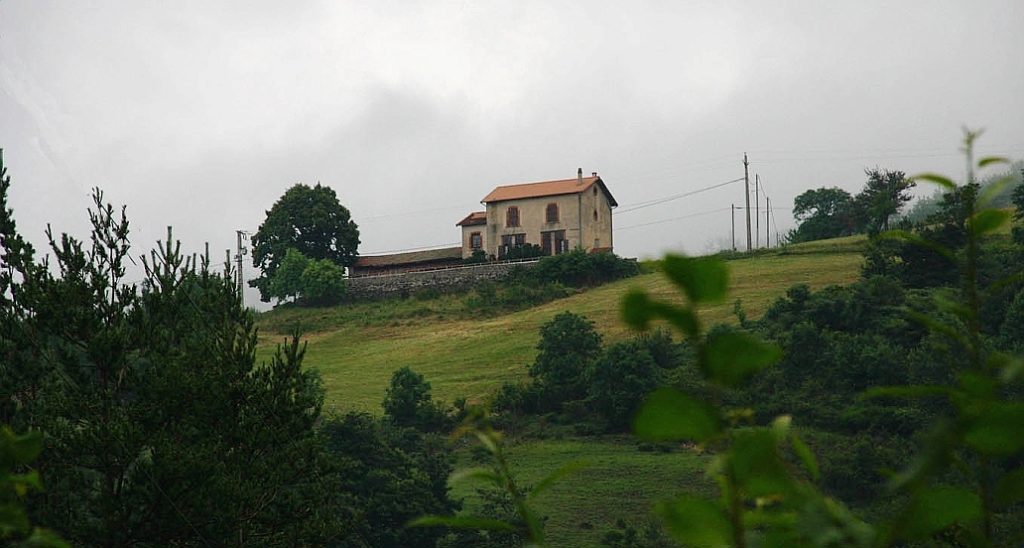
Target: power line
(658, 201)
(700, 214)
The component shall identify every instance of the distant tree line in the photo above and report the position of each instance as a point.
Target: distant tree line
(830, 212)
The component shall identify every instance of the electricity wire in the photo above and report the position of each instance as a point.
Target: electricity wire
(689, 216)
(658, 201)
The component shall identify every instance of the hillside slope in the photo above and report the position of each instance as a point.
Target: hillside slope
(464, 357)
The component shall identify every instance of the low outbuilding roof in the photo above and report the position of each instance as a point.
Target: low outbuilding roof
(473, 219)
(411, 257)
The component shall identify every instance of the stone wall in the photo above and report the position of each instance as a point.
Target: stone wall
(409, 283)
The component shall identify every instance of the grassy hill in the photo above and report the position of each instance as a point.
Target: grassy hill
(464, 354)
(357, 347)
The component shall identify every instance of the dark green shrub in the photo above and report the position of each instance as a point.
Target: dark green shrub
(619, 379)
(525, 251)
(407, 403)
(581, 269)
(568, 344)
(391, 475)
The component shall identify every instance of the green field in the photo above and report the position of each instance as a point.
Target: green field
(464, 354)
(357, 347)
(617, 481)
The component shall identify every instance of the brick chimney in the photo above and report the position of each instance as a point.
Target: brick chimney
(579, 176)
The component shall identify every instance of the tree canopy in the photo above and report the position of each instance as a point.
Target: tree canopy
(309, 220)
(884, 195)
(832, 212)
(824, 213)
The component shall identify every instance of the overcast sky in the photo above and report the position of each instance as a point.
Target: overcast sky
(201, 114)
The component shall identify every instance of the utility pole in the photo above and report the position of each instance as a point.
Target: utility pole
(757, 210)
(746, 195)
(732, 213)
(240, 252)
(768, 222)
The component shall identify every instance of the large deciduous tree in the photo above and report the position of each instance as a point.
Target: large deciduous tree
(884, 195)
(309, 220)
(824, 213)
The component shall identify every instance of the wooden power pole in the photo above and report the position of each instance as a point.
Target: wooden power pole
(732, 213)
(768, 222)
(757, 209)
(746, 194)
(240, 252)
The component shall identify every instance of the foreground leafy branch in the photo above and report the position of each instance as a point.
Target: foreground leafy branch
(762, 499)
(983, 440)
(530, 525)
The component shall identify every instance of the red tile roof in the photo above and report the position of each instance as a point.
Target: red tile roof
(546, 188)
(473, 219)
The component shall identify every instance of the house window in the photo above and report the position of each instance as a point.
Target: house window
(551, 215)
(595, 191)
(595, 214)
(476, 241)
(553, 242)
(510, 242)
(512, 216)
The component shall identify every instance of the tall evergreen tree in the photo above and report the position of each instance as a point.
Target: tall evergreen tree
(160, 427)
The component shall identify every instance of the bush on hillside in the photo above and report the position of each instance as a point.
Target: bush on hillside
(408, 403)
(579, 269)
(618, 381)
(568, 345)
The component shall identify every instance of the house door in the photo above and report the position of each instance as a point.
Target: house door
(553, 242)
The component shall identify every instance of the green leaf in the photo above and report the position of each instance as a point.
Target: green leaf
(488, 441)
(936, 326)
(988, 220)
(484, 474)
(999, 430)
(977, 385)
(462, 522)
(670, 415)
(956, 308)
(913, 391)
(12, 520)
(992, 190)
(936, 179)
(23, 482)
(44, 538)
(781, 426)
(637, 310)
(730, 358)
(695, 522)
(703, 279)
(553, 477)
(1012, 369)
(1010, 488)
(935, 455)
(683, 319)
(806, 456)
(756, 464)
(937, 508)
(19, 449)
(917, 240)
(992, 160)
